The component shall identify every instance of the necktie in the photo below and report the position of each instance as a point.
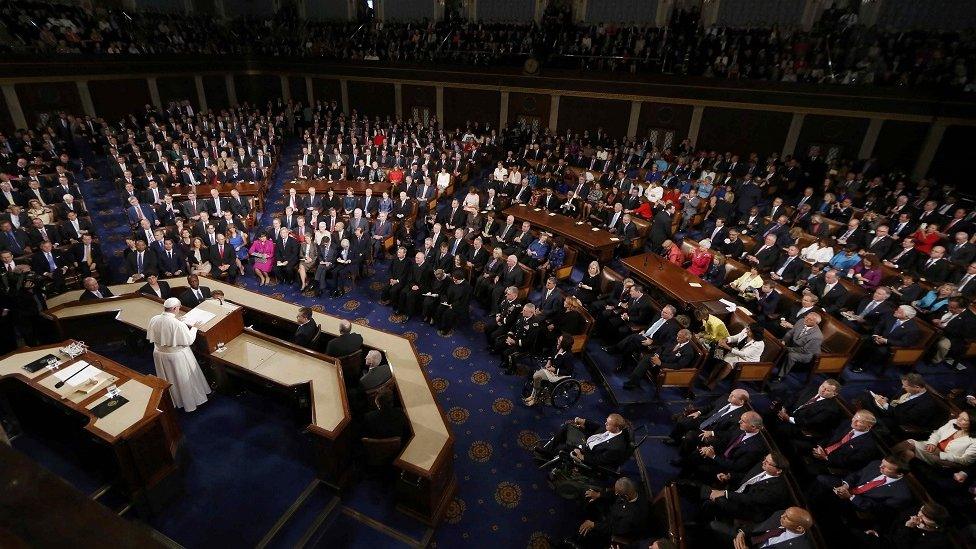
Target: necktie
(965, 280)
(735, 443)
(715, 417)
(653, 328)
(220, 250)
(783, 268)
(50, 261)
(847, 438)
(139, 262)
(761, 476)
(868, 486)
(98, 294)
(870, 307)
(138, 212)
(760, 539)
(807, 403)
(14, 245)
(198, 294)
(894, 327)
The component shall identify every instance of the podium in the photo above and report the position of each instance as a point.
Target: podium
(227, 323)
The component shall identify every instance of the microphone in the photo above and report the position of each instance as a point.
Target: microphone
(60, 384)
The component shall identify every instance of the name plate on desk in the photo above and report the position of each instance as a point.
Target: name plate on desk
(108, 406)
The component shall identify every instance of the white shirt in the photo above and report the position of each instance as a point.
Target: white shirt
(600, 438)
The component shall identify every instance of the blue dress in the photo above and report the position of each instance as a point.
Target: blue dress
(237, 241)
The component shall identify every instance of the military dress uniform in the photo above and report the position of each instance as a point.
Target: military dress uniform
(503, 322)
(525, 333)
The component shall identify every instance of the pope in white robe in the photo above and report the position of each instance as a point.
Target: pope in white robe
(174, 359)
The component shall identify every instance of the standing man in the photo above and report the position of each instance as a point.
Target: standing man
(174, 359)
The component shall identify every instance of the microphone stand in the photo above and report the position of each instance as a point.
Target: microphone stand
(60, 384)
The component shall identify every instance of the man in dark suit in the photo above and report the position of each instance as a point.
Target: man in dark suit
(812, 414)
(307, 328)
(831, 293)
(961, 251)
(347, 260)
(620, 513)
(765, 254)
(72, 228)
(550, 303)
(87, 255)
(958, 325)
(629, 317)
(286, 256)
(511, 275)
(728, 455)
(935, 269)
(223, 259)
(897, 330)
(698, 423)
(39, 232)
(965, 282)
(195, 294)
(170, 261)
(880, 244)
(869, 311)
(661, 226)
(591, 443)
(788, 268)
(762, 491)
(878, 488)
(94, 290)
(377, 372)
(785, 529)
(140, 262)
(903, 258)
(346, 343)
(387, 420)
(678, 356)
(847, 449)
(915, 410)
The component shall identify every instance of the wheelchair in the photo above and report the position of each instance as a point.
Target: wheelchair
(559, 394)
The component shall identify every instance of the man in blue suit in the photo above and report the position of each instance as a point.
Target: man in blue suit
(879, 488)
(137, 212)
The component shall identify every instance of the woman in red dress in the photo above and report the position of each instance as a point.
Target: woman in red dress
(701, 260)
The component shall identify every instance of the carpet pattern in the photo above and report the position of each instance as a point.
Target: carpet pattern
(249, 460)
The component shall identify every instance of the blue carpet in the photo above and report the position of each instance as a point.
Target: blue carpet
(249, 461)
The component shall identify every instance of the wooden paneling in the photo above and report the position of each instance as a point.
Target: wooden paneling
(421, 98)
(846, 132)
(671, 118)
(48, 97)
(462, 106)
(899, 143)
(372, 98)
(952, 160)
(327, 90)
(257, 89)
(741, 130)
(6, 121)
(114, 99)
(582, 113)
(177, 88)
(298, 89)
(215, 86)
(531, 106)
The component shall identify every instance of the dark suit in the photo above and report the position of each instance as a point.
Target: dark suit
(934, 271)
(672, 358)
(891, 496)
(834, 300)
(609, 453)
(810, 418)
(286, 251)
(189, 299)
(849, 456)
(148, 263)
(755, 500)
(88, 295)
(660, 229)
(305, 333)
(376, 376)
(344, 345)
(164, 290)
(227, 258)
(772, 523)
(790, 267)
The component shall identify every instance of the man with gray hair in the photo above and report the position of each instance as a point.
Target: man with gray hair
(174, 358)
(377, 371)
(896, 331)
(802, 343)
(728, 456)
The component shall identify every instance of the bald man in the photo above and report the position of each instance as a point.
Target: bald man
(783, 529)
(616, 513)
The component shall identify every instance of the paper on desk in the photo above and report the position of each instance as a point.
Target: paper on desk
(729, 305)
(552, 215)
(744, 310)
(614, 239)
(198, 315)
(595, 229)
(84, 377)
(69, 371)
(694, 285)
(536, 209)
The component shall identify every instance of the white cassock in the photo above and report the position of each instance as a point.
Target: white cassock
(175, 361)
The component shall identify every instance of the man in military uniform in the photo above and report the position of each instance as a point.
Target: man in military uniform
(509, 311)
(521, 339)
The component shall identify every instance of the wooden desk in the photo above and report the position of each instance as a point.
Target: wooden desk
(143, 433)
(672, 279)
(322, 186)
(426, 483)
(225, 326)
(597, 242)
